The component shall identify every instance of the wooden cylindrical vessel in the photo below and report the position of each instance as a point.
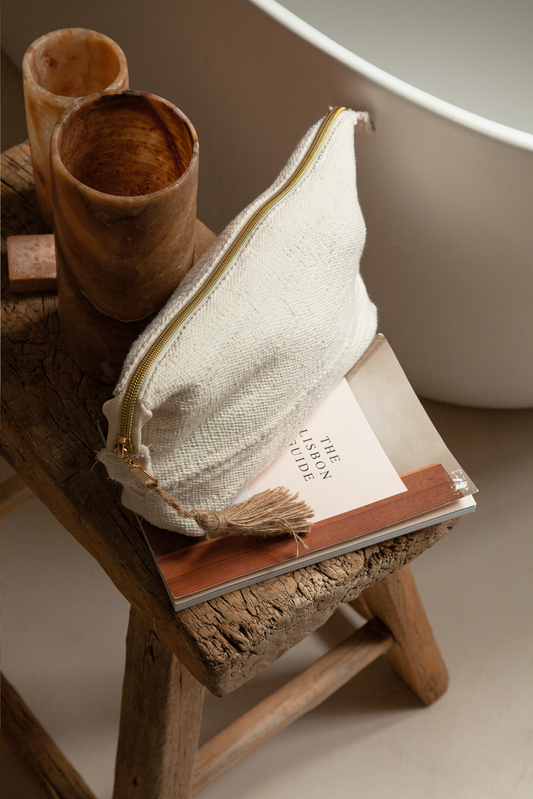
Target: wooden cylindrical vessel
(124, 180)
(58, 68)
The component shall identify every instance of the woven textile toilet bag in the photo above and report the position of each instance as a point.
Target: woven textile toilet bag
(254, 337)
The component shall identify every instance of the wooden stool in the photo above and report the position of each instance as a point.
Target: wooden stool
(50, 436)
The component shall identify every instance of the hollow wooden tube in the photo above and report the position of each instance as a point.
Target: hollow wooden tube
(124, 182)
(58, 68)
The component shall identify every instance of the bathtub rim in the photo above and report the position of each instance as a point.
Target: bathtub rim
(495, 130)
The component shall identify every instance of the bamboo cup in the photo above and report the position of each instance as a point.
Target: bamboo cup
(58, 68)
(124, 184)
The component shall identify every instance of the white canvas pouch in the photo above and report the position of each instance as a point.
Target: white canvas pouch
(251, 341)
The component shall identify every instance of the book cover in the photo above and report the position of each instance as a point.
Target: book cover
(369, 462)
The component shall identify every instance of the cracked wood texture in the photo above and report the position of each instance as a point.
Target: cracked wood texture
(50, 435)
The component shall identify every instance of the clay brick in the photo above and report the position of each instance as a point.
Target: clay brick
(31, 263)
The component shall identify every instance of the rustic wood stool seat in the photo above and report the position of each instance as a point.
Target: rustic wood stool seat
(50, 436)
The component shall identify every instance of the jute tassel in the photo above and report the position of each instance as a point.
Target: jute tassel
(272, 512)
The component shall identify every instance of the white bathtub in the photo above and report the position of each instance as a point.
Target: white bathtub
(447, 191)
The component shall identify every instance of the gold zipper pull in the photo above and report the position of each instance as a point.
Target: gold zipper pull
(141, 474)
(123, 448)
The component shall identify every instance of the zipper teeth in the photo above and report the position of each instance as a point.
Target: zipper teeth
(136, 381)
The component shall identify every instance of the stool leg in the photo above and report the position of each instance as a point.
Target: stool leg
(415, 655)
(159, 722)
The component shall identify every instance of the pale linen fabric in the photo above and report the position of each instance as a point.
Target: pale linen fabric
(281, 328)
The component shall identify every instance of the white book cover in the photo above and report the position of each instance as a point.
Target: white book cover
(335, 462)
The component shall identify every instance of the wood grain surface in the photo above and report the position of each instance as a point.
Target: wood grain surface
(50, 436)
(415, 654)
(160, 720)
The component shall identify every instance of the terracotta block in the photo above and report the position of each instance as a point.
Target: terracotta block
(31, 263)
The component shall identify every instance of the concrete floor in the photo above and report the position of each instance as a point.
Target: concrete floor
(64, 626)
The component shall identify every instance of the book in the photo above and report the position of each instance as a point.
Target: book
(368, 461)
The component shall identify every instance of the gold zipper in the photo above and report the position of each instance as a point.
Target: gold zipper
(123, 443)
